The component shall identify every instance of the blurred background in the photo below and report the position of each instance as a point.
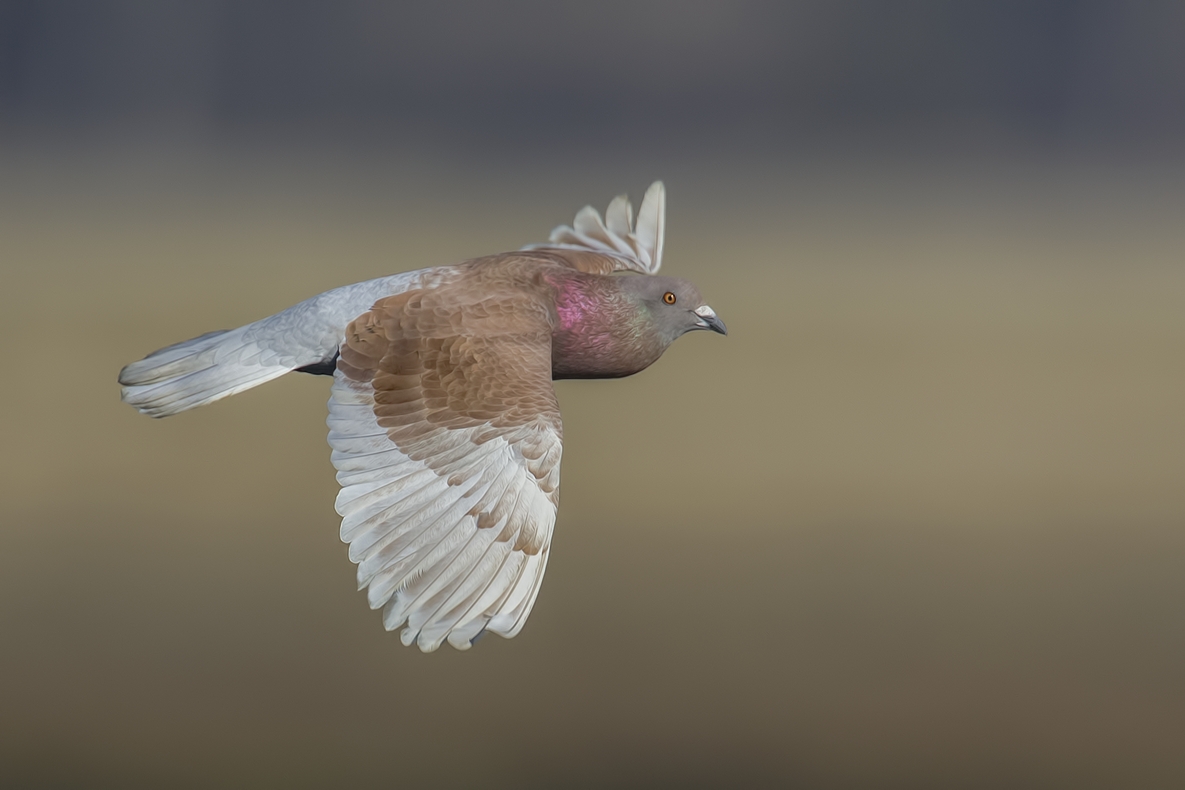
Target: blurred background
(918, 521)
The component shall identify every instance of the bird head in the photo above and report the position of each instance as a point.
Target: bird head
(674, 305)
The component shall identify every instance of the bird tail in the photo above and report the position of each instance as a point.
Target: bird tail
(199, 371)
(216, 365)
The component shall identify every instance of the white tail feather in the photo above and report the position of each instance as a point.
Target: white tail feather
(195, 372)
(219, 364)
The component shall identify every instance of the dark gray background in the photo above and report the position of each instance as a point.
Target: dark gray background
(524, 74)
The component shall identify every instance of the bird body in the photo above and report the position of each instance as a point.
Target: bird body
(445, 429)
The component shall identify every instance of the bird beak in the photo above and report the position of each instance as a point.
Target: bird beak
(709, 320)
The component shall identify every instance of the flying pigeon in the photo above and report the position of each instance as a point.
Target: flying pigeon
(445, 429)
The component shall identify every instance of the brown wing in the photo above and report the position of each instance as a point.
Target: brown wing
(447, 439)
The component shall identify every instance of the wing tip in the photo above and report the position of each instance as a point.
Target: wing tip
(636, 243)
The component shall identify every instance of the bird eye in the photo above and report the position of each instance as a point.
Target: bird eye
(668, 297)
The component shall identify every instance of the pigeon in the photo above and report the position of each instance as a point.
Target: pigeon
(444, 425)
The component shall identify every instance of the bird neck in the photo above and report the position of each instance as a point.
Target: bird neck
(601, 331)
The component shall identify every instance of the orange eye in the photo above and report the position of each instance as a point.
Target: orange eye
(668, 297)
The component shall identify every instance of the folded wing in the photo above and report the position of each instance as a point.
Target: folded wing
(447, 439)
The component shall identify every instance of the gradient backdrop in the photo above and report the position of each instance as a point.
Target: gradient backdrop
(917, 522)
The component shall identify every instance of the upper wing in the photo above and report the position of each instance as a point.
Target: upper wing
(447, 439)
(627, 246)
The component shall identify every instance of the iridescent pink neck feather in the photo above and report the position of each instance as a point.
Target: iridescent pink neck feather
(601, 331)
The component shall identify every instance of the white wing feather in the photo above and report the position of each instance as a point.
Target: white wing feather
(421, 556)
(637, 247)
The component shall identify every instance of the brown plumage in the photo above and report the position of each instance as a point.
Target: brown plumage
(444, 425)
